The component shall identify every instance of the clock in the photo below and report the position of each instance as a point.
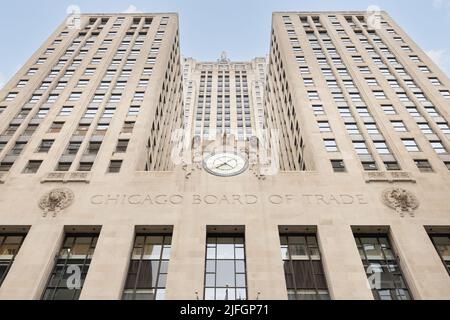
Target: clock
(224, 163)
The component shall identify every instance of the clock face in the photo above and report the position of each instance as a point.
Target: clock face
(225, 164)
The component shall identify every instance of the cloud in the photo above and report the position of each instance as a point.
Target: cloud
(132, 9)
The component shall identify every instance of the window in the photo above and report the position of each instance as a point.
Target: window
(56, 127)
(330, 145)
(122, 146)
(75, 255)
(399, 126)
(11, 96)
(147, 274)
(423, 165)
(324, 126)
(313, 95)
(372, 82)
(445, 94)
(318, 110)
(410, 145)
(85, 166)
(134, 111)
(32, 166)
(65, 111)
(379, 95)
(74, 96)
(18, 148)
(128, 127)
(381, 266)
(360, 147)
(225, 269)
(369, 165)
(381, 147)
(138, 96)
(435, 81)
(388, 110)
(392, 165)
(438, 147)
(442, 244)
(305, 278)
(9, 247)
(73, 147)
(338, 165)
(45, 146)
(115, 166)
(63, 166)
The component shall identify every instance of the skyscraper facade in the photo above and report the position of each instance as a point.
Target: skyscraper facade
(321, 172)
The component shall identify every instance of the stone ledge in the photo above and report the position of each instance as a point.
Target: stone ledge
(390, 176)
(67, 177)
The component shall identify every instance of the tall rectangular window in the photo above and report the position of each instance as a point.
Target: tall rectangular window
(442, 244)
(225, 269)
(71, 267)
(382, 268)
(9, 247)
(303, 270)
(147, 274)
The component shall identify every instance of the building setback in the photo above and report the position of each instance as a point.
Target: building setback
(127, 172)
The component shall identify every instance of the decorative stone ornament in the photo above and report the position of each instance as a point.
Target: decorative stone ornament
(400, 200)
(56, 200)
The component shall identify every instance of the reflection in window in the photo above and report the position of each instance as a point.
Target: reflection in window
(303, 270)
(382, 269)
(9, 247)
(149, 265)
(72, 265)
(225, 276)
(442, 244)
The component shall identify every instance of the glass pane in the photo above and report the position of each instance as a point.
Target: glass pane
(166, 252)
(154, 240)
(240, 253)
(127, 295)
(211, 253)
(241, 294)
(373, 252)
(79, 250)
(210, 280)
(240, 280)
(145, 295)
(137, 253)
(152, 252)
(298, 252)
(160, 294)
(162, 280)
(225, 274)
(139, 241)
(225, 294)
(225, 251)
(240, 266)
(209, 294)
(284, 253)
(210, 266)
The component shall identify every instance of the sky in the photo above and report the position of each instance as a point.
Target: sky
(208, 27)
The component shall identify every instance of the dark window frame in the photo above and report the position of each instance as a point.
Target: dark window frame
(309, 250)
(86, 262)
(160, 260)
(9, 262)
(395, 261)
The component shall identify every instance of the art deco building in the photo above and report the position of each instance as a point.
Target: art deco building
(127, 172)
